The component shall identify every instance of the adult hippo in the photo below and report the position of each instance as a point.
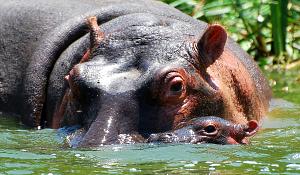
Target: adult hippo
(147, 69)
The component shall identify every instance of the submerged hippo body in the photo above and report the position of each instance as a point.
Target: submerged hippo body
(146, 69)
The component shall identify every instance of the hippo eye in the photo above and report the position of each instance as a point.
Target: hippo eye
(174, 88)
(176, 85)
(210, 130)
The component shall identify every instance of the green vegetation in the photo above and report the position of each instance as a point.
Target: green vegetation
(269, 30)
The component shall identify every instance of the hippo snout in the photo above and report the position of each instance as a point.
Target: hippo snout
(208, 129)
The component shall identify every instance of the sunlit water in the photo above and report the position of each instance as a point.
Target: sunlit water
(274, 150)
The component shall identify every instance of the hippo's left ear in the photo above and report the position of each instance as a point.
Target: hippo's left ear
(211, 44)
(96, 36)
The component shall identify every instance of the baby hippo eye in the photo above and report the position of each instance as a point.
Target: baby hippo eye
(210, 130)
(206, 129)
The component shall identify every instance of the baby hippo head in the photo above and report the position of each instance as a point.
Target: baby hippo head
(208, 129)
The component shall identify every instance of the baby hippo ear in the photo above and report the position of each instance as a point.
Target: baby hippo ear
(252, 128)
(211, 44)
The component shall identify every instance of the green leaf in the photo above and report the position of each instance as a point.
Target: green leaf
(279, 25)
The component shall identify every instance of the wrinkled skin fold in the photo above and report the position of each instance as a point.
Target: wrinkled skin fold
(126, 72)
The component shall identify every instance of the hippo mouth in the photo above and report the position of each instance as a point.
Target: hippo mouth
(201, 130)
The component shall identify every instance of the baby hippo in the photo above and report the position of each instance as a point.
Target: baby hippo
(208, 129)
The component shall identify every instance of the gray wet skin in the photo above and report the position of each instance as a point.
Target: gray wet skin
(208, 129)
(143, 67)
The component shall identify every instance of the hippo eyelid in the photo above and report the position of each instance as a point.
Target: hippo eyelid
(177, 86)
(172, 86)
(209, 130)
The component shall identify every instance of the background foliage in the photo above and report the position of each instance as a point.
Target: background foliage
(269, 30)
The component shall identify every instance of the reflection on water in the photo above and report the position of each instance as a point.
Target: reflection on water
(275, 149)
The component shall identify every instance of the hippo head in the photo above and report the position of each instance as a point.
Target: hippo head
(208, 129)
(144, 78)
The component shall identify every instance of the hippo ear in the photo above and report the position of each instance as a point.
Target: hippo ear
(252, 128)
(96, 36)
(211, 44)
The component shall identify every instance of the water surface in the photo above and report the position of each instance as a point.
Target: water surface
(274, 150)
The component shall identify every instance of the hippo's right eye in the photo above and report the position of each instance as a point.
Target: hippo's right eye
(176, 85)
(173, 88)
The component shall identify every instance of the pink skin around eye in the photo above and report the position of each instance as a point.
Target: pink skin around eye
(176, 84)
(175, 89)
(176, 80)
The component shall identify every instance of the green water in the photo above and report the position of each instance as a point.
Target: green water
(274, 150)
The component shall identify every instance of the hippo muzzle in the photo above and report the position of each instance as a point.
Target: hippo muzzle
(106, 101)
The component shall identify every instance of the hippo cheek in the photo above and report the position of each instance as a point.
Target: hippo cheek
(116, 122)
